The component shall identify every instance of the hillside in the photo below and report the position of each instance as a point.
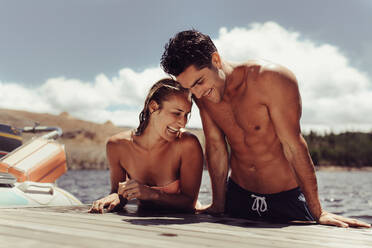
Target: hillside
(84, 141)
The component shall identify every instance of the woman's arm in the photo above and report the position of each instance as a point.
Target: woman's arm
(117, 174)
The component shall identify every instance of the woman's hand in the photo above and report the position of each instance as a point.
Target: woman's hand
(112, 201)
(134, 190)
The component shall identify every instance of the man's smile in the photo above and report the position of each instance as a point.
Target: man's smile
(208, 92)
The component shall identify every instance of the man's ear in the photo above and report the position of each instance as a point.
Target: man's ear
(216, 60)
(153, 106)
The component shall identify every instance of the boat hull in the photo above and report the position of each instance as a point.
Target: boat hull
(31, 194)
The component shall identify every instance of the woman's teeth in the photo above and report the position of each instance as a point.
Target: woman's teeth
(173, 130)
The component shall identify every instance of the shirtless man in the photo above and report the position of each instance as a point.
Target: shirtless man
(255, 107)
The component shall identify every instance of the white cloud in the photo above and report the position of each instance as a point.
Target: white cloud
(335, 95)
(118, 99)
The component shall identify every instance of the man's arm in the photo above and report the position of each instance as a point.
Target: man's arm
(284, 103)
(217, 160)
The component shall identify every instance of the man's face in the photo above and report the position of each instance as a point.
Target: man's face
(205, 83)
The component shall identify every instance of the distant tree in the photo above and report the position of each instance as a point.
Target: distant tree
(346, 149)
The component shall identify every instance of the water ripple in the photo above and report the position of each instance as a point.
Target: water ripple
(345, 193)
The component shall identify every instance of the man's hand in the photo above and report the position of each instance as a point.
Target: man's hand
(211, 209)
(112, 201)
(340, 221)
(134, 190)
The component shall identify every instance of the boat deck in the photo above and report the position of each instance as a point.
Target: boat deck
(74, 227)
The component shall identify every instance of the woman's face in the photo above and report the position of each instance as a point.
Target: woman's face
(172, 116)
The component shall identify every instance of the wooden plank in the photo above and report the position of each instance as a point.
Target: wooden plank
(201, 219)
(199, 228)
(21, 236)
(70, 226)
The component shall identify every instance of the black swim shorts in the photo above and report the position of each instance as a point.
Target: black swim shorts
(279, 207)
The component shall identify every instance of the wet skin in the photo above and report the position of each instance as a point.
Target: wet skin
(241, 111)
(256, 106)
(159, 156)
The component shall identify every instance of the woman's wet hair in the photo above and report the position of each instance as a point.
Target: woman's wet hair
(159, 92)
(186, 48)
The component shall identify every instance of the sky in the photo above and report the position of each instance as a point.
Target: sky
(97, 59)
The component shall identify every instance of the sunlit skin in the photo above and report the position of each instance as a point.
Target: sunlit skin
(257, 106)
(159, 156)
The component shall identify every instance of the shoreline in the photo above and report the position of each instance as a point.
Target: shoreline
(332, 168)
(328, 168)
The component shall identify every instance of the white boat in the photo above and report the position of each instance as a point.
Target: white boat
(32, 194)
(28, 173)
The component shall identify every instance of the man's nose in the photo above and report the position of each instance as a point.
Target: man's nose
(182, 121)
(196, 92)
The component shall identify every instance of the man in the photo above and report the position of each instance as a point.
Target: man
(255, 107)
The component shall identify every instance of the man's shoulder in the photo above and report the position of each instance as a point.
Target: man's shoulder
(187, 136)
(275, 73)
(268, 80)
(188, 139)
(264, 69)
(274, 81)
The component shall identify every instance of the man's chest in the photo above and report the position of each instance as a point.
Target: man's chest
(240, 118)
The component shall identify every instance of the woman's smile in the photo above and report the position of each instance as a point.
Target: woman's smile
(172, 130)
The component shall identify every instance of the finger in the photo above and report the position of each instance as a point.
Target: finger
(127, 183)
(113, 205)
(125, 186)
(131, 186)
(121, 187)
(131, 190)
(335, 222)
(357, 223)
(93, 208)
(352, 222)
(100, 207)
(120, 190)
(132, 194)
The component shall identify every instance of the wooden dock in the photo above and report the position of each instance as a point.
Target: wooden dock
(74, 227)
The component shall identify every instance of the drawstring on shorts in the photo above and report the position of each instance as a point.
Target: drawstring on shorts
(259, 204)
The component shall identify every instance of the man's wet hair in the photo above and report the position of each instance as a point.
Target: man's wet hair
(159, 92)
(186, 48)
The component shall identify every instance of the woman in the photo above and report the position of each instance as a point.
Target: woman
(158, 164)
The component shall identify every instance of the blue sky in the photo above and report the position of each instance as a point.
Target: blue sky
(96, 59)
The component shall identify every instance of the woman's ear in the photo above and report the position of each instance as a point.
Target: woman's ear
(153, 106)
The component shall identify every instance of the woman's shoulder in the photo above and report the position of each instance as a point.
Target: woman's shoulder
(120, 139)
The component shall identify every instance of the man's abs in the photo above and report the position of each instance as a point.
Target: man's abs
(263, 176)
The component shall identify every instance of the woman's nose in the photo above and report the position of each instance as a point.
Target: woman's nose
(182, 121)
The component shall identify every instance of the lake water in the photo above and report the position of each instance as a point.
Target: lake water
(345, 193)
